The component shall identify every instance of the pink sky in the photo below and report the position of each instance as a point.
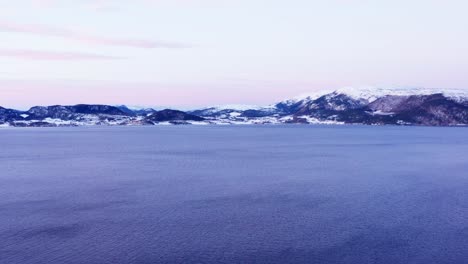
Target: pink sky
(206, 52)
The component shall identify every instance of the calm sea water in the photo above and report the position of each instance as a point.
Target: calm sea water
(235, 194)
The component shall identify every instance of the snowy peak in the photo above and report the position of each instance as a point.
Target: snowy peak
(371, 93)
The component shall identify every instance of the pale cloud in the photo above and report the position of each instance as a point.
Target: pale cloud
(9, 26)
(52, 55)
(43, 3)
(104, 5)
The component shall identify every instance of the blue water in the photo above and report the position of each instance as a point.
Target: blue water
(234, 194)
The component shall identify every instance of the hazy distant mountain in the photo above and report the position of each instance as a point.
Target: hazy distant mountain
(136, 110)
(344, 106)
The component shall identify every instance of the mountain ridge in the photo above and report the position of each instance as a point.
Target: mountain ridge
(370, 106)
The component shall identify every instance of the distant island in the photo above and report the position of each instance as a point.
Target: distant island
(370, 106)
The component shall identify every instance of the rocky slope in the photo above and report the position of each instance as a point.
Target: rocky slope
(344, 106)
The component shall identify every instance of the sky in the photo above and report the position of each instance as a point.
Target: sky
(190, 53)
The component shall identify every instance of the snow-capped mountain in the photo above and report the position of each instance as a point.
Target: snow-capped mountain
(371, 93)
(132, 110)
(364, 105)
